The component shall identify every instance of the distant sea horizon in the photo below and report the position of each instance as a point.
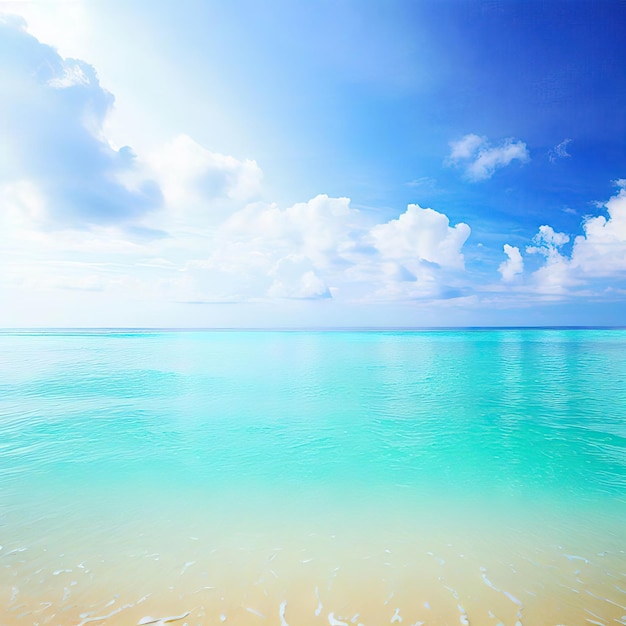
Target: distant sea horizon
(299, 328)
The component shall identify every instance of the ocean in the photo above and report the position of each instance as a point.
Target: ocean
(313, 477)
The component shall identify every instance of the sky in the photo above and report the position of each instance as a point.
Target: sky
(352, 163)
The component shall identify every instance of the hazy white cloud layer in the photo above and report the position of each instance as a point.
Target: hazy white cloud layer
(479, 159)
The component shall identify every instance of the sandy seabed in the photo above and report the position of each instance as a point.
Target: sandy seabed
(340, 571)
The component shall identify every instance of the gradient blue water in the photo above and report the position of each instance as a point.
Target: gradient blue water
(520, 414)
(525, 422)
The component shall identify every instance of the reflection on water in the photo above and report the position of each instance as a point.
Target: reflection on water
(309, 478)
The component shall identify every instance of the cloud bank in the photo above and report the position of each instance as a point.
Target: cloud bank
(324, 248)
(181, 222)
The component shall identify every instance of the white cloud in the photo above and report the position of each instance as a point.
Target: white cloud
(546, 241)
(323, 248)
(467, 147)
(318, 249)
(514, 264)
(422, 235)
(601, 250)
(64, 25)
(415, 256)
(491, 159)
(320, 229)
(559, 151)
(264, 251)
(554, 277)
(598, 255)
(190, 176)
(480, 160)
(426, 183)
(294, 277)
(52, 110)
(72, 75)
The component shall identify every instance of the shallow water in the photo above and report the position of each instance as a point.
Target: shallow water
(313, 477)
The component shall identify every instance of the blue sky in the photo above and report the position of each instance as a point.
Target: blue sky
(312, 164)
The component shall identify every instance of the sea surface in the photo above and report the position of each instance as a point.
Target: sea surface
(307, 478)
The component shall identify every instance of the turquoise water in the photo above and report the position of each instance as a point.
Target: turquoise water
(510, 436)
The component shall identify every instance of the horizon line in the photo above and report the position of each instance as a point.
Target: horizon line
(9, 329)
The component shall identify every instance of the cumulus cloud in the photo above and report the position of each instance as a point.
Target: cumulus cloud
(480, 159)
(514, 264)
(601, 250)
(415, 256)
(422, 235)
(554, 277)
(598, 255)
(52, 110)
(547, 241)
(324, 248)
